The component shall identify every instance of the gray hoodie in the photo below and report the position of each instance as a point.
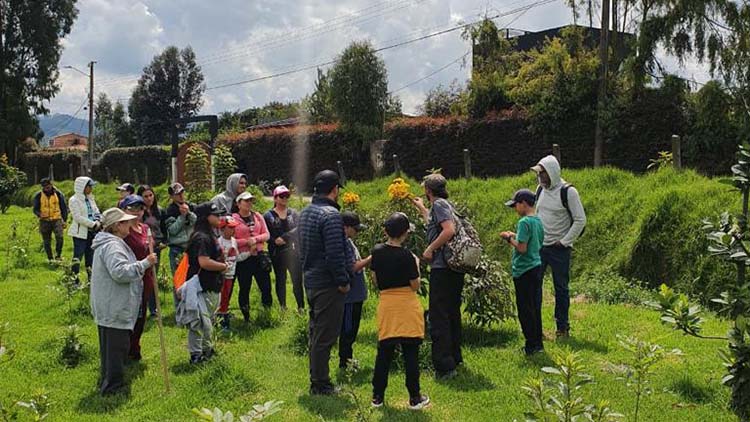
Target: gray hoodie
(226, 198)
(116, 282)
(558, 225)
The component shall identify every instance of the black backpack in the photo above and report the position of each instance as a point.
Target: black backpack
(564, 199)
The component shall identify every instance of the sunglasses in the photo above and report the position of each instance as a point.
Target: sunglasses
(284, 196)
(135, 208)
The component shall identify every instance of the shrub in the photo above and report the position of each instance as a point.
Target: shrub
(71, 352)
(60, 160)
(11, 180)
(224, 165)
(299, 343)
(489, 298)
(152, 161)
(606, 286)
(258, 412)
(198, 174)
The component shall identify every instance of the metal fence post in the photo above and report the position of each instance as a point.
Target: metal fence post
(556, 152)
(676, 152)
(467, 163)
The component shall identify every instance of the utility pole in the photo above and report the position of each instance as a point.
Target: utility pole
(91, 118)
(603, 77)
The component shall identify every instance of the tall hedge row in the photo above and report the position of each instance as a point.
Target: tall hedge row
(60, 160)
(152, 161)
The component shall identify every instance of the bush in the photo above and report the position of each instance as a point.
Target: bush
(152, 161)
(60, 160)
(11, 180)
(225, 164)
(606, 286)
(71, 352)
(489, 298)
(198, 174)
(299, 343)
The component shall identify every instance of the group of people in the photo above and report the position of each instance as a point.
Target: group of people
(215, 243)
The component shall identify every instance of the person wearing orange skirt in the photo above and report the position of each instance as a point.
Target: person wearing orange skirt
(400, 316)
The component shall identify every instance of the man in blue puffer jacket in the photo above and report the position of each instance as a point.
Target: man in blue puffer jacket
(327, 275)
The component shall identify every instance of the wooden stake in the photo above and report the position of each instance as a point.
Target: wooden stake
(159, 324)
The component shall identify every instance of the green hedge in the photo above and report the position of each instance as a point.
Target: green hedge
(61, 161)
(152, 161)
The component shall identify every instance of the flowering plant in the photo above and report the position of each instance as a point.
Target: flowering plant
(351, 199)
(398, 190)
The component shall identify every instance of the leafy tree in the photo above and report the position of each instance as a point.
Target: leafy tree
(225, 164)
(443, 101)
(171, 87)
(11, 180)
(121, 126)
(30, 49)
(198, 174)
(359, 87)
(714, 132)
(104, 136)
(557, 86)
(319, 105)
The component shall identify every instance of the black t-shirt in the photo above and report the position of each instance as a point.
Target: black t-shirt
(394, 266)
(202, 244)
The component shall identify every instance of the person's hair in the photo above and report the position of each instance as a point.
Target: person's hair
(111, 228)
(154, 209)
(528, 202)
(442, 193)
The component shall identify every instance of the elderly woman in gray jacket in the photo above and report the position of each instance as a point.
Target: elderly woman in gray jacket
(116, 291)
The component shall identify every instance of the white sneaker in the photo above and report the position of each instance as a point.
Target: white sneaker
(418, 404)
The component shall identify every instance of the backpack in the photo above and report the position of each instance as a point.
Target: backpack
(463, 252)
(180, 274)
(563, 199)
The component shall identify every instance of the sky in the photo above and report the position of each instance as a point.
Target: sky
(240, 40)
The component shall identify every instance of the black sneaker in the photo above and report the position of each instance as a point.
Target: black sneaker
(419, 403)
(197, 359)
(209, 354)
(328, 390)
(562, 334)
(377, 402)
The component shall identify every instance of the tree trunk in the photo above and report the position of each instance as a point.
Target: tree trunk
(602, 92)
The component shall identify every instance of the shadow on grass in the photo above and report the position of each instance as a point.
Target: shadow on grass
(360, 377)
(404, 414)
(479, 337)
(94, 403)
(689, 390)
(576, 343)
(468, 380)
(327, 407)
(537, 360)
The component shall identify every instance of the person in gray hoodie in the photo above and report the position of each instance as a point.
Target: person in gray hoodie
(564, 219)
(116, 290)
(236, 184)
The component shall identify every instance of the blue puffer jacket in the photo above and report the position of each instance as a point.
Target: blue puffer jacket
(323, 245)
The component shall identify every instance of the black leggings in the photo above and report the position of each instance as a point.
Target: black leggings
(283, 261)
(386, 349)
(246, 270)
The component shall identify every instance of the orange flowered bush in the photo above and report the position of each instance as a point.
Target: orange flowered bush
(399, 190)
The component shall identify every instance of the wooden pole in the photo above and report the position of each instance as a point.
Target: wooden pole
(342, 175)
(676, 152)
(467, 163)
(70, 170)
(109, 174)
(145, 175)
(159, 323)
(36, 174)
(52, 172)
(135, 177)
(396, 165)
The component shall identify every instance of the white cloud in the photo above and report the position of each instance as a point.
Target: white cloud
(236, 40)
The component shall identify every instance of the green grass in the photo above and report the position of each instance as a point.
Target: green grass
(257, 365)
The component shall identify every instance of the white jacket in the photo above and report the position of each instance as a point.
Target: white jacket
(81, 224)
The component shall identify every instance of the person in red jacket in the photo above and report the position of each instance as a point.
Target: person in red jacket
(140, 242)
(252, 235)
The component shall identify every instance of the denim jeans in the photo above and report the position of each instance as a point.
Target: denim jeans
(82, 249)
(558, 258)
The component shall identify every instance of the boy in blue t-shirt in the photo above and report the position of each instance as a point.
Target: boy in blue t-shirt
(527, 268)
(358, 292)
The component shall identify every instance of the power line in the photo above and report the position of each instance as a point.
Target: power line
(461, 57)
(434, 34)
(70, 119)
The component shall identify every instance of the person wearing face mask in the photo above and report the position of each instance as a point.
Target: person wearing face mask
(564, 219)
(141, 243)
(236, 184)
(52, 212)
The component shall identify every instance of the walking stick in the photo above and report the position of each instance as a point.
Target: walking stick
(159, 321)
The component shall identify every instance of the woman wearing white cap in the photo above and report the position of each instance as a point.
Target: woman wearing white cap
(252, 235)
(282, 224)
(116, 290)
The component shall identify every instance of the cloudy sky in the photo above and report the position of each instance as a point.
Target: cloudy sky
(240, 40)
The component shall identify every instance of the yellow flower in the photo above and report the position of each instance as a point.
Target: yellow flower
(351, 198)
(398, 189)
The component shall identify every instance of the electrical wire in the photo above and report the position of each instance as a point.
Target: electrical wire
(461, 57)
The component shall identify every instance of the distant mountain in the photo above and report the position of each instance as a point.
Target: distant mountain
(57, 124)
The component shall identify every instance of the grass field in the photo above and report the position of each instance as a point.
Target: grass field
(258, 364)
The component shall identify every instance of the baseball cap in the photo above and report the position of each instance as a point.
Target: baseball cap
(45, 181)
(325, 181)
(522, 195)
(280, 190)
(397, 224)
(126, 187)
(131, 200)
(208, 208)
(435, 182)
(115, 215)
(175, 189)
(243, 196)
(351, 219)
(228, 221)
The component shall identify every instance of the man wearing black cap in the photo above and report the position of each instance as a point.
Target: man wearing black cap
(326, 274)
(52, 211)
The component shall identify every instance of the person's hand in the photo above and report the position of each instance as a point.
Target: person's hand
(151, 258)
(558, 244)
(97, 226)
(417, 201)
(427, 255)
(279, 241)
(345, 289)
(65, 225)
(184, 209)
(226, 267)
(251, 241)
(506, 235)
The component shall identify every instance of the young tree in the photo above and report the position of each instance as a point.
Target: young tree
(104, 136)
(30, 48)
(443, 101)
(359, 87)
(121, 126)
(171, 87)
(319, 104)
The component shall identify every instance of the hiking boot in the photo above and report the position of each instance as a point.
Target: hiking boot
(562, 334)
(377, 401)
(224, 323)
(419, 403)
(197, 359)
